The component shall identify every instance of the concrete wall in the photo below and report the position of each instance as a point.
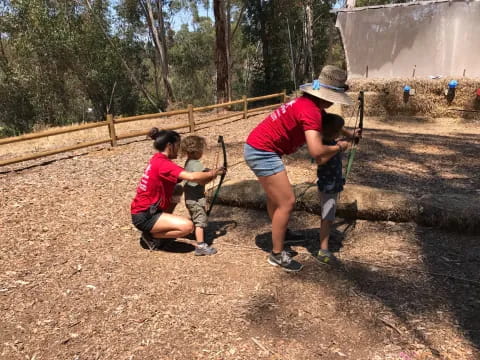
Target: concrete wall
(428, 38)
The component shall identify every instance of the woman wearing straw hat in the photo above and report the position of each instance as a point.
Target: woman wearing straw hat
(283, 132)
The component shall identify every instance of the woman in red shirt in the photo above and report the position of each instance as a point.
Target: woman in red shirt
(282, 133)
(151, 204)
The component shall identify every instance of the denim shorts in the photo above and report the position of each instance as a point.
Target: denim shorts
(262, 163)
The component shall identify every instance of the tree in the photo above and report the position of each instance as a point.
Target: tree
(222, 56)
(156, 26)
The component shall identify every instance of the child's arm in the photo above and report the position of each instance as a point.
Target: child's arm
(320, 152)
(351, 134)
(201, 177)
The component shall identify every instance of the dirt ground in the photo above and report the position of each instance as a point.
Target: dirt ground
(76, 284)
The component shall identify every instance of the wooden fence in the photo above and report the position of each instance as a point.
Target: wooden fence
(110, 122)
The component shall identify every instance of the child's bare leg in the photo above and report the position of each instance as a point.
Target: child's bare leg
(325, 233)
(199, 234)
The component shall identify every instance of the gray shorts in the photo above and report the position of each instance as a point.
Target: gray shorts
(198, 212)
(329, 205)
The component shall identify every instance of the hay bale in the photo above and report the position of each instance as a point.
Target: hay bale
(451, 212)
(386, 97)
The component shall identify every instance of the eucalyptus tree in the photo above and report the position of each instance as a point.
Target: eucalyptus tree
(55, 62)
(294, 37)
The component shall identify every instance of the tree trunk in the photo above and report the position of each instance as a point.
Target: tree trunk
(124, 63)
(221, 50)
(158, 35)
(229, 51)
(308, 32)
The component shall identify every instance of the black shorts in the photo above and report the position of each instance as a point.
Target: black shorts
(144, 221)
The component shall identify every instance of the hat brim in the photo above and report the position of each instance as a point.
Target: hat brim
(332, 96)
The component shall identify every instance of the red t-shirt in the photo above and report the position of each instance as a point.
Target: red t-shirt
(158, 182)
(283, 131)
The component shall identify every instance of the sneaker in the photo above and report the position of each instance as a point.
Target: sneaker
(147, 241)
(204, 249)
(325, 257)
(290, 252)
(285, 261)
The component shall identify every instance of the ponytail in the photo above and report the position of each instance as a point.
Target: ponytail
(161, 138)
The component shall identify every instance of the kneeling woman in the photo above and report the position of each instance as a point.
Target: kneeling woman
(152, 201)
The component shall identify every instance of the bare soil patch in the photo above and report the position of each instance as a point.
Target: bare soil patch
(75, 284)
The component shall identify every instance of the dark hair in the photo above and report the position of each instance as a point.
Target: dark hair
(332, 124)
(163, 137)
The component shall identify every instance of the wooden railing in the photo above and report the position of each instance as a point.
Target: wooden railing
(110, 122)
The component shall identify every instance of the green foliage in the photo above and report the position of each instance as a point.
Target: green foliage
(191, 57)
(279, 28)
(56, 59)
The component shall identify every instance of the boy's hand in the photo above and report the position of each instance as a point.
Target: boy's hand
(220, 171)
(357, 135)
(345, 145)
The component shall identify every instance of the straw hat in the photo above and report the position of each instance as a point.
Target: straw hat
(330, 86)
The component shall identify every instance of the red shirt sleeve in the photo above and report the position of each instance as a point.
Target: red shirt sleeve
(174, 169)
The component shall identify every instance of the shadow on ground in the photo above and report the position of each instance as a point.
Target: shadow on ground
(214, 230)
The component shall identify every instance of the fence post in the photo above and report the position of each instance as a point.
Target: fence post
(191, 121)
(111, 130)
(245, 106)
(284, 93)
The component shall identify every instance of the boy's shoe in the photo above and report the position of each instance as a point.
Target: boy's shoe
(147, 241)
(290, 252)
(285, 261)
(204, 249)
(325, 257)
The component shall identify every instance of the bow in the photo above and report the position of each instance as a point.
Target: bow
(355, 140)
(215, 195)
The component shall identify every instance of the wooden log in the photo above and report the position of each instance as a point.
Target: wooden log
(111, 130)
(52, 152)
(191, 120)
(52, 132)
(150, 116)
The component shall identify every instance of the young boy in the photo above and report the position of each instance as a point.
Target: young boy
(330, 183)
(195, 201)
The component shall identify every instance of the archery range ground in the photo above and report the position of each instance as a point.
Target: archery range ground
(76, 284)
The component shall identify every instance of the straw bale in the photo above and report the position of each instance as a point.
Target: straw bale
(386, 97)
(447, 211)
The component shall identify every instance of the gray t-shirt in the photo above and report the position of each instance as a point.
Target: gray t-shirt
(194, 191)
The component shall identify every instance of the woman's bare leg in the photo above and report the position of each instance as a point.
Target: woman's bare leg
(270, 208)
(280, 204)
(171, 226)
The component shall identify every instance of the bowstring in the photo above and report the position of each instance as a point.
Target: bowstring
(215, 162)
(356, 115)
